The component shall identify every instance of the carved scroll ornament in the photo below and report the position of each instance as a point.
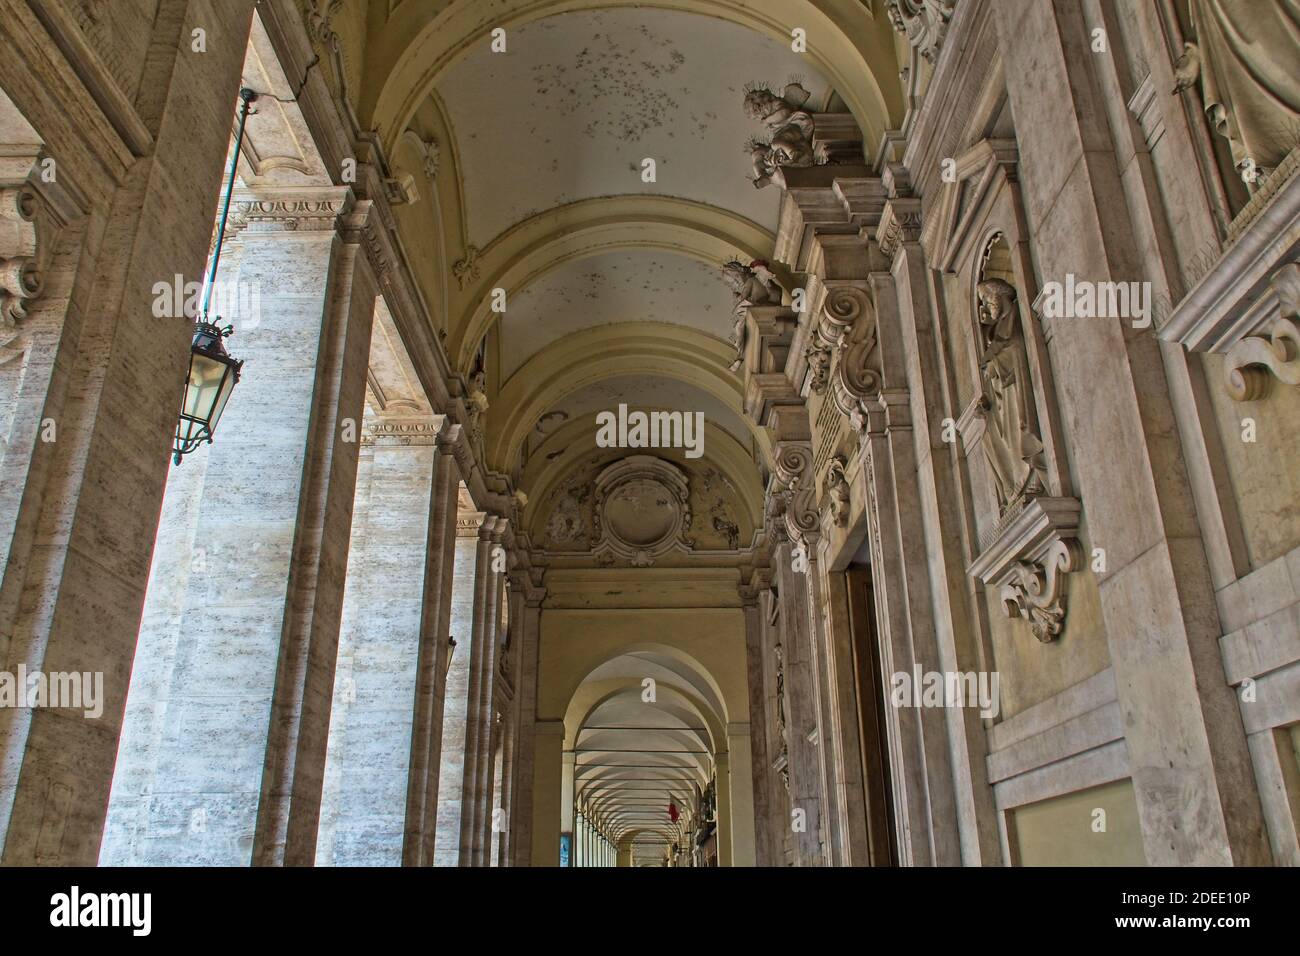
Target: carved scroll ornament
(1251, 365)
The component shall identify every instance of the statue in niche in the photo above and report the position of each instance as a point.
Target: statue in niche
(789, 138)
(752, 284)
(1245, 58)
(838, 486)
(780, 691)
(476, 400)
(1014, 452)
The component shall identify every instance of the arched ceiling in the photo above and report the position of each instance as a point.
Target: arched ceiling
(578, 100)
(630, 285)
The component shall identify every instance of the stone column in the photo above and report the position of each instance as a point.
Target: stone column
(108, 374)
(1191, 770)
(522, 794)
(740, 786)
(549, 786)
(471, 548)
(478, 702)
(431, 668)
(485, 702)
(236, 774)
(374, 690)
(568, 779)
(501, 826)
(805, 772)
(722, 796)
(767, 813)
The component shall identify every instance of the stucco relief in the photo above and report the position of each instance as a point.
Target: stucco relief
(633, 510)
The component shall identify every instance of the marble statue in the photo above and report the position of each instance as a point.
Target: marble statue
(752, 284)
(1014, 452)
(789, 130)
(1245, 57)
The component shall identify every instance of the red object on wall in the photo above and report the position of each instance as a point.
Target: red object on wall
(672, 811)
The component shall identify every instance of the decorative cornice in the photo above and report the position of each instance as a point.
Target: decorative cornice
(1235, 298)
(290, 209)
(411, 432)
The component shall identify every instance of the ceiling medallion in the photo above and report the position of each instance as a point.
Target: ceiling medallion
(642, 510)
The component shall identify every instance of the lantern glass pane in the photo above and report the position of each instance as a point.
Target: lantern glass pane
(223, 395)
(203, 389)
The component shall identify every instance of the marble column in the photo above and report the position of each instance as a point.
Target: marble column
(139, 200)
(431, 669)
(367, 768)
(807, 804)
(722, 796)
(766, 803)
(235, 774)
(483, 738)
(478, 701)
(471, 550)
(521, 812)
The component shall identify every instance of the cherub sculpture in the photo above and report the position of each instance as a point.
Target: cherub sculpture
(788, 141)
(752, 284)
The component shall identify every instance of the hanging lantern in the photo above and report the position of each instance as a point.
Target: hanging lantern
(213, 373)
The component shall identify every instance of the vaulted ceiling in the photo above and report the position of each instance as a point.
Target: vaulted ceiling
(611, 281)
